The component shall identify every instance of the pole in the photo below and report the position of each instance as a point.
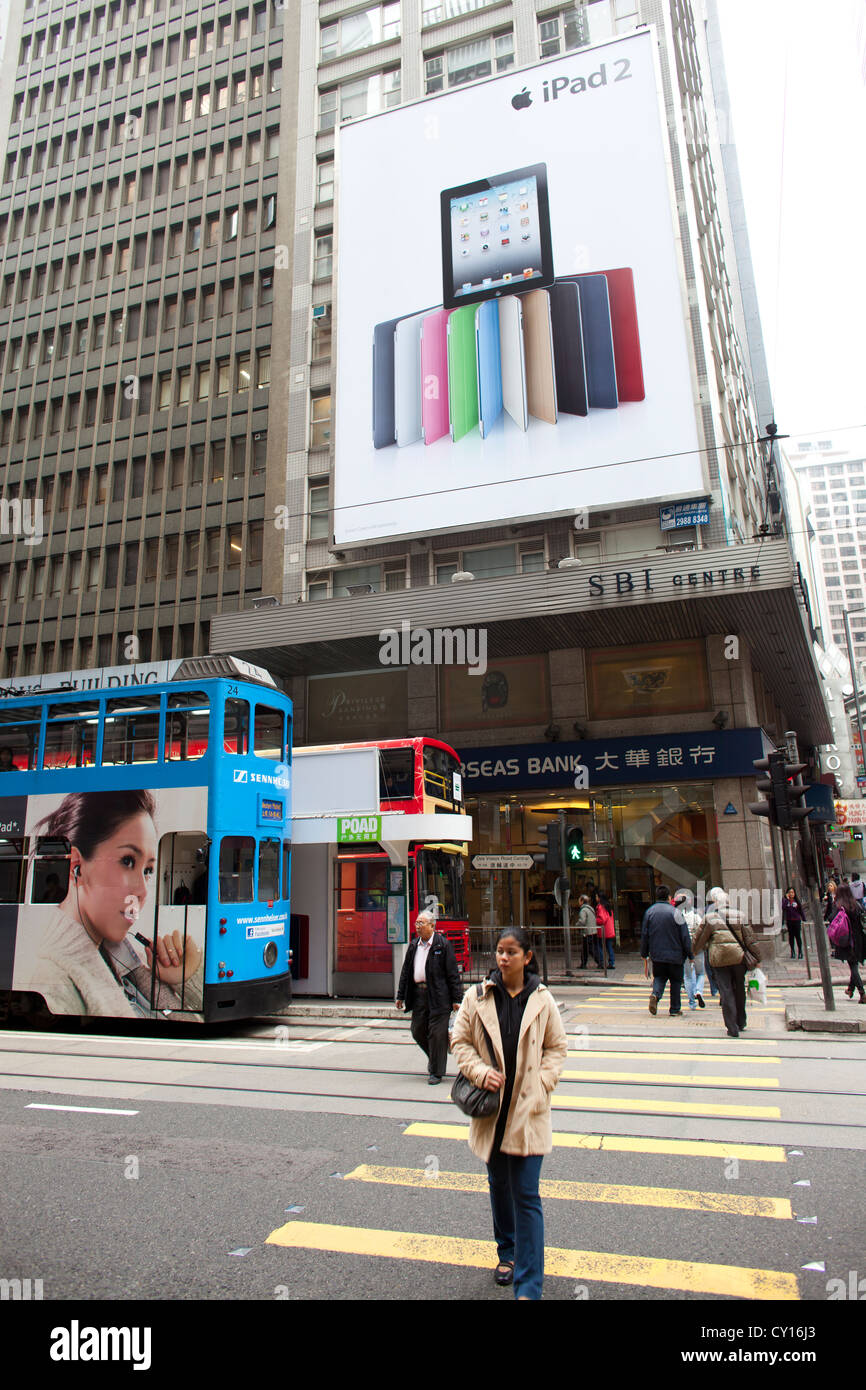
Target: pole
(821, 940)
(566, 928)
(855, 683)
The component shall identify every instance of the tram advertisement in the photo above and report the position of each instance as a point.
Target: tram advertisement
(103, 900)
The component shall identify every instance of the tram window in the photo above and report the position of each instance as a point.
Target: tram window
(396, 774)
(438, 769)
(13, 870)
(237, 857)
(269, 733)
(19, 742)
(287, 865)
(131, 731)
(187, 726)
(70, 736)
(236, 730)
(269, 871)
(50, 871)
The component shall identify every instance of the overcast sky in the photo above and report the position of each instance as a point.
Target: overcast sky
(798, 107)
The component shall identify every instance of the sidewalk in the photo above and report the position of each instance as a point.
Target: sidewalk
(629, 971)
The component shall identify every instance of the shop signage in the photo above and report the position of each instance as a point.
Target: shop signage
(850, 812)
(642, 758)
(730, 809)
(355, 830)
(684, 514)
(502, 861)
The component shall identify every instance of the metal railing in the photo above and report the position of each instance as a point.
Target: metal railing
(548, 948)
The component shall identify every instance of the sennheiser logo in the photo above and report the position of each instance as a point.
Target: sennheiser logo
(241, 775)
(76, 1343)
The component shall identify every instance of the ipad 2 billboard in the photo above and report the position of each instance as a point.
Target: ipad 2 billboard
(511, 330)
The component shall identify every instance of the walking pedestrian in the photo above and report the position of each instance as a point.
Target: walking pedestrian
(693, 970)
(519, 1016)
(606, 930)
(727, 937)
(430, 987)
(665, 940)
(793, 917)
(587, 928)
(829, 900)
(853, 954)
(857, 887)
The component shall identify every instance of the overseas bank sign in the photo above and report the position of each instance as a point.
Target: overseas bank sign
(593, 763)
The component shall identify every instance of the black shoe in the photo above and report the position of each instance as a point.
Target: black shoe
(433, 1080)
(700, 999)
(732, 1035)
(503, 1274)
(676, 1013)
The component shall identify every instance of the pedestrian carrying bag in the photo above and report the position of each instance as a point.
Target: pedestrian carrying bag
(839, 933)
(473, 1100)
(750, 960)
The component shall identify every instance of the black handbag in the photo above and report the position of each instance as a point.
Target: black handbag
(476, 1101)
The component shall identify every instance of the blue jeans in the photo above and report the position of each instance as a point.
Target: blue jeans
(599, 951)
(518, 1223)
(694, 978)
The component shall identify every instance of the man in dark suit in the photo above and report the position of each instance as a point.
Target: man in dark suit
(665, 940)
(430, 987)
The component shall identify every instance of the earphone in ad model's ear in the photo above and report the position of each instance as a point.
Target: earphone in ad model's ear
(76, 872)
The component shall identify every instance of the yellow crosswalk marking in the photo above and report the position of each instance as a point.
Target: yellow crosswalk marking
(679, 1275)
(662, 1078)
(623, 1143)
(589, 1053)
(666, 1107)
(682, 1199)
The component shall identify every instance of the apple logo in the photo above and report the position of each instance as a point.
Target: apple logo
(522, 100)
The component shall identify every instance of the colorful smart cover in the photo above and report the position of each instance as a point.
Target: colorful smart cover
(407, 380)
(538, 342)
(489, 365)
(383, 384)
(496, 236)
(568, 355)
(462, 372)
(626, 340)
(434, 376)
(597, 341)
(513, 359)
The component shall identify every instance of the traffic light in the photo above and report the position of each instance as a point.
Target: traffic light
(548, 836)
(781, 808)
(574, 846)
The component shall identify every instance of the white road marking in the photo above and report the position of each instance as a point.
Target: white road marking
(89, 1109)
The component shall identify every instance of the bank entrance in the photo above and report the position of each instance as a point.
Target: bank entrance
(632, 840)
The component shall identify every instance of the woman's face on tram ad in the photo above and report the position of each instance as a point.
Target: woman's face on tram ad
(107, 892)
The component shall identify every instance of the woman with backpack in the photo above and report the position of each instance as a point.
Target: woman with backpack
(846, 937)
(509, 1037)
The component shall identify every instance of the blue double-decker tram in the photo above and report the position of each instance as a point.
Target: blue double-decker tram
(145, 842)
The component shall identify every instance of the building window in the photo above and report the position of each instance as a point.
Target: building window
(469, 62)
(320, 422)
(359, 31)
(323, 257)
(363, 97)
(319, 528)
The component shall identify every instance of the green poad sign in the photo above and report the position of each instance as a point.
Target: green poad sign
(358, 830)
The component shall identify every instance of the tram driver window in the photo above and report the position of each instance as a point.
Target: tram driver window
(237, 857)
(236, 728)
(186, 730)
(269, 740)
(396, 774)
(269, 871)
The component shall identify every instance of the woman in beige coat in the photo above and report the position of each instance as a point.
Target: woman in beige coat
(512, 1040)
